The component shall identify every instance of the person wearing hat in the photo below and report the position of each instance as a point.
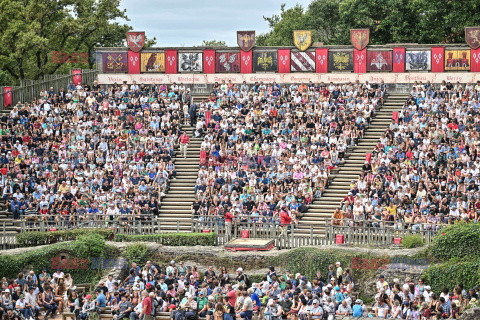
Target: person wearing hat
(202, 302)
(12, 314)
(31, 298)
(274, 311)
(87, 308)
(357, 310)
(7, 299)
(339, 272)
(316, 311)
(24, 307)
(427, 294)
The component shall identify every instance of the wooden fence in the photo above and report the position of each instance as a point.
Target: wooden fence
(30, 89)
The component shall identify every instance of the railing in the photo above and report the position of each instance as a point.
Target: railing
(30, 89)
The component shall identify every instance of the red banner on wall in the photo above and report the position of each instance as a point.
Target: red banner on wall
(284, 60)
(77, 76)
(475, 60)
(133, 62)
(438, 56)
(208, 61)
(359, 61)
(246, 61)
(171, 61)
(399, 59)
(321, 63)
(7, 96)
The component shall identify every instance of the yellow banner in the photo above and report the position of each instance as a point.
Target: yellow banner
(152, 62)
(457, 60)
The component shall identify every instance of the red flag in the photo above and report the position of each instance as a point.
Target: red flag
(475, 60)
(399, 59)
(7, 97)
(246, 61)
(77, 76)
(171, 61)
(395, 116)
(284, 60)
(359, 61)
(208, 61)
(368, 157)
(133, 62)
(438, 56)
(321, 60)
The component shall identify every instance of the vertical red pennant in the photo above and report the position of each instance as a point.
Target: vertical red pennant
(475, 60)
(438, 57)
(208, 61)
(133, 62)
(321, 63)
(7, 97)
(398, 59)
(359, 61)
(77, 76)
(171, 61)
(284, 60)
(246, 61)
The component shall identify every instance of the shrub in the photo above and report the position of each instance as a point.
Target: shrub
(172, 239)
(137, 252)
(37, 238)
(457, 241)
(412, 241)
(452, 273)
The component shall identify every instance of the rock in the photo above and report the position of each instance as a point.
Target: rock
(471, 314)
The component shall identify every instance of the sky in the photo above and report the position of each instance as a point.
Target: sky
(189, 22)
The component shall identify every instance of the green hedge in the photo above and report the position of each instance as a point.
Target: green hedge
(85, 247)
(172, 239)
(452, 273)
(457, 241)
(37, 238)
(412, 241)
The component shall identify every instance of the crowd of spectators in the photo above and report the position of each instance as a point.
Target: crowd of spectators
(183, 293)
(425, 170)
(89, 152)
(268, 149)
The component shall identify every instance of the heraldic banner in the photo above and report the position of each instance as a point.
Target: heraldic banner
(438, 55)
(115, 62)
(170, 61)
(190, 62)
(475, 54)
(379, 61)
(303, 61)
(398, 59)
(418, 60)
(340, 61)
(265, 61)
(77, 76)
(246, 61)
(360, 61)
(227, 61)
(457, 60)
(152, 62)
(7, 96)
(321, 64)
(472, 37)
(208, 61)
(133, 62)
(284, 60)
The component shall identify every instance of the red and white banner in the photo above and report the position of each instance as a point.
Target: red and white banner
(475, 60)
(171, 61)
(398, 58)
(246, 61)
(438, 58)
(302, 61)
(77, 76)
(208, 61)
(7, 97)
(387, 77)
(284, 60)
(321, 62)
(360, 61)
(133, 62)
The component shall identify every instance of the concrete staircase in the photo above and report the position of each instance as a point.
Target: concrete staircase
(348, 170)
(176, 204)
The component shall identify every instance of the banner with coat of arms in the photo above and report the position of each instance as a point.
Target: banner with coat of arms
(457, 60)
(115, 62)
(190, 61)
(340, 61)
(152, 62)
(472, 37)
(379, 60)
(303, 61)
(227, 61)
(246, 40)
(359, 38)
(302, 39)
(266, 61)
(418, 60)
(135, 40)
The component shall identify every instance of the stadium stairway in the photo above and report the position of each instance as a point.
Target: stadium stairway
(177, 203)
(349, 169)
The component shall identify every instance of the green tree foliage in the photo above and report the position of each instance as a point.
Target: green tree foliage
(389, 21)
(31, 29)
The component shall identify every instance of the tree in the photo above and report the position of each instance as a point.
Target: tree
(31, 29)
(213, 43)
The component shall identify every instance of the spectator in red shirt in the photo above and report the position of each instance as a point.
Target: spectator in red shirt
(285, 219)
(184, 139)
(146, 307)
